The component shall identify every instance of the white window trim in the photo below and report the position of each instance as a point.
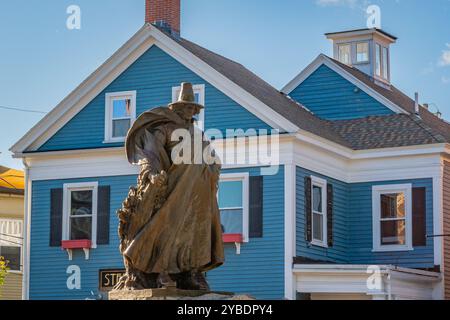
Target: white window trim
(244, 177)
(368, 52)
(322, 183)
(200, 89)
(20, 235)
(69, 187)
(109, 97)
(377, 191)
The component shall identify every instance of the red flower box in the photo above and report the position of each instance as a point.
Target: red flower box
(76, 244)
(232, 238)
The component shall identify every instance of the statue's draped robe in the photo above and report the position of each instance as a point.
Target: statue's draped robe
(183, 233)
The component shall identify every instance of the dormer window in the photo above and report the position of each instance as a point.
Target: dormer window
(381, 63)
(345, 53)
(362, 52)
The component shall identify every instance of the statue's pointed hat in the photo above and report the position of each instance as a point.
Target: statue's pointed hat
(186, 96)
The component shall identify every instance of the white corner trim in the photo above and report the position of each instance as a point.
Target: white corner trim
(244, 177)
(109, 98)
(290, 289)
(26, 233)
(324, 60)
(67, 189)
(438, 211)
(379, 190)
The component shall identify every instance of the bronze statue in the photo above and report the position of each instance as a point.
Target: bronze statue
(169, 224)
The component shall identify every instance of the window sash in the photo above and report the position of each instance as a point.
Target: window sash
(244, 207)
(68, 217)
(109, 114)
(378, 221)
(322, 184)
(345, 53)
(364, 52)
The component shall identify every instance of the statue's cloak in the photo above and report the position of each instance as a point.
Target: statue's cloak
(174, 227)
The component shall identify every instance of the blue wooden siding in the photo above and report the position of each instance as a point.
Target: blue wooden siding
(329, 96)
(258, 270)
(337, 253)
(353, 226)
(360, 229)
(152, 75)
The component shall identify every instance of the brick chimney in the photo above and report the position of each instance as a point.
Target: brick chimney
(164, 13)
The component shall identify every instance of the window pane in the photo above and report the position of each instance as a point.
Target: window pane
(81, 203)
(121, 108)
(344, 54)
(317, 199)
(317, 225)
(230, 194)
(362, 52)
(12, 255)
(197, 97)
(231, 221)
(392, 205)
(120, 128)
(80, 228)
(385, 63)
(378, 60)
(393, 232)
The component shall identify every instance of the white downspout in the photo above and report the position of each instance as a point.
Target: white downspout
(26, 234)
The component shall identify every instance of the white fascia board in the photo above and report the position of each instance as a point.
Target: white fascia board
(324, 60)
(119, 62)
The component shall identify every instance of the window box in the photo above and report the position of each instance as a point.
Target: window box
(232, 238)
(70, 245)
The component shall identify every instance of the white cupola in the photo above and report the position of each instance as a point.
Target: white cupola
(365, 49)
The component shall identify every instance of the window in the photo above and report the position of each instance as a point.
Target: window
(120, 113)
(199, 92)
(80, 212)
(392, 227)
(362, 52)
(378, 60)
(233, 198)
(319, 214)
(381, 63)
(345, 53)
(11, 243)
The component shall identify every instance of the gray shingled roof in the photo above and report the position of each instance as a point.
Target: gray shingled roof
(375, 132)
(359, 134)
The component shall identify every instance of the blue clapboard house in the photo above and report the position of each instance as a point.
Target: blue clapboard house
(353, 210)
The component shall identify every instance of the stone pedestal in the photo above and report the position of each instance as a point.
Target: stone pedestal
(173, 294)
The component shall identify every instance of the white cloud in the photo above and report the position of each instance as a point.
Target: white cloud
(444, 61)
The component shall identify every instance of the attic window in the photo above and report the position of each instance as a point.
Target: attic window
(362, 52)
(381, 62)
(345, 53)
(120, 113)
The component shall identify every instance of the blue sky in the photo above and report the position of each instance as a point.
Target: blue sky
(41, 61)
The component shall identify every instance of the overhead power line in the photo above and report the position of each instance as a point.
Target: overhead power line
(22, 109)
